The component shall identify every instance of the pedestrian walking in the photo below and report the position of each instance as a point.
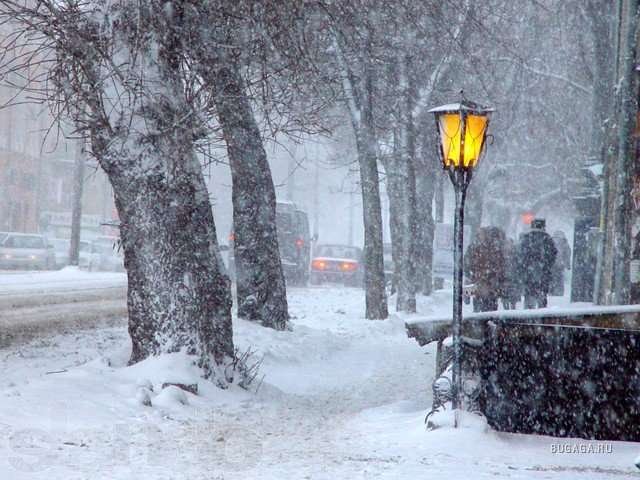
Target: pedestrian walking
(536, 256)
(485, 268)
(512, 290)
(562, 263)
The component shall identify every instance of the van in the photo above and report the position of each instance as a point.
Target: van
(443, 252)
(294, 243)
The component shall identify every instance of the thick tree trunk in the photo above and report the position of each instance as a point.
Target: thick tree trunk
(625, 161)
(613, 284)
(606, 76)
(142, 129)
(439, 199)
(261, 290)
(178, 298)
(406, 300)
(367, 145)
(76, 205)
(395, 193)
(376, 299)
(426, 179)
(359, 100)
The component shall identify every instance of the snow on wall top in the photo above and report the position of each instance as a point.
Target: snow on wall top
(534, 314)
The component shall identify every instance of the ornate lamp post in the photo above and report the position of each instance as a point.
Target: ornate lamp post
(462, 129)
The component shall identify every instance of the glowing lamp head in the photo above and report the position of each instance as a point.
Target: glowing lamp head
(462, 129)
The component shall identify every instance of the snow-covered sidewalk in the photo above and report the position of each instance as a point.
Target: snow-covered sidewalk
(342, 398)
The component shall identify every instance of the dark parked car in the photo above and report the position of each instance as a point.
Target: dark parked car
(294, 243)
(337, 263)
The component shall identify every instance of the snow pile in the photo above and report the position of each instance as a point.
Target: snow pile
(69, 278)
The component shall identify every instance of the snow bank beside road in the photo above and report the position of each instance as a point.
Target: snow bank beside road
(54, 281)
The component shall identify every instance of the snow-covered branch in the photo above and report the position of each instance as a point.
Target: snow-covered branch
(544, 73)
(348, 88)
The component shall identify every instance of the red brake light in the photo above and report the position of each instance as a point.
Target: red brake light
(348, 266)
(232, 237)
(299, 243)
(318, 264)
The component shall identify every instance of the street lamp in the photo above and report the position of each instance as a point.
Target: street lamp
(462, 129)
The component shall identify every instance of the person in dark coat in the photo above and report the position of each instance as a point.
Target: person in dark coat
(485, 268)
(536, 256)
(512, 291)
(562, 263)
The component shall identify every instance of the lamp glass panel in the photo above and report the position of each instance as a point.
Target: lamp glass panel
(450, 137)
(474, 135)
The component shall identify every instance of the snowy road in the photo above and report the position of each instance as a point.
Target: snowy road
(342, 398)
(36, 304)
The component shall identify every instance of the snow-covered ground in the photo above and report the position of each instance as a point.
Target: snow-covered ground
(341, 398)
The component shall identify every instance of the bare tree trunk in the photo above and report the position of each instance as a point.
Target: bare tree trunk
(439, 200)
(376, 299)
(76, 205)
(426, 180)
(624, 164)
(359, 101)
(367, 145)
(613, 261)
(395, 194)
(406, 300)
(261, 290)
(177, 296)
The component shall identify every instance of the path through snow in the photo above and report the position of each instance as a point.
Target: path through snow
(342, 398)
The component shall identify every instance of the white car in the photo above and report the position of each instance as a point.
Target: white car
(62, 246)
(26, 251)
(106, 255)
(443, 252)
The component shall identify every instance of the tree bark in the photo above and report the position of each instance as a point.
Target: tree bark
(624, 164)
(367, 145)
(178, 297)
(261, 289)
(407, 284)
(613, 262)
(359, 101)
(76, 207)
(394, 194)
(426, 178)
(376, 299)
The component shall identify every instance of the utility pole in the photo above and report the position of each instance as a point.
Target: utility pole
(384, 201)
(291, 178)
(352, 206)
(316, 203)
(76, 205)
